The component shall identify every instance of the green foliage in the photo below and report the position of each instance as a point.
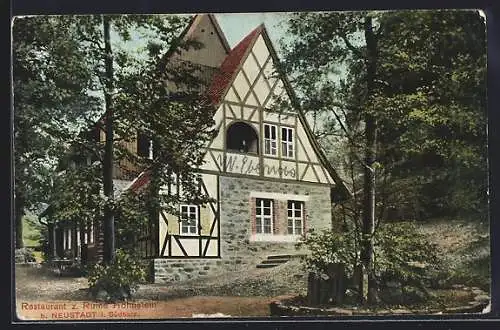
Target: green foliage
(76, 196)
(32, 230)
(50, 81)
(429, 102)
(123, 276)
(404, 255)
(328, 247)
(60, 79)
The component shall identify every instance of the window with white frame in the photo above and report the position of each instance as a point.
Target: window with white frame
(189, 219)
(287, 142)
(270, 140)
(295, 217)
(264, 216)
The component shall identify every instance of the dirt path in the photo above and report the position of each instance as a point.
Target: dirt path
(206, 306)
(42, 295)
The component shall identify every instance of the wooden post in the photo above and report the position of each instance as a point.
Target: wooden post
(332, 281)
(324, 284)
(313, 289)
(336, 274)
(341, 288)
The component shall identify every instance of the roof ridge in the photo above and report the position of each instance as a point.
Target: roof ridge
(231, 64)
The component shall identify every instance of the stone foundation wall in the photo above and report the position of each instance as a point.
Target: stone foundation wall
(238, 251)
(173, 270)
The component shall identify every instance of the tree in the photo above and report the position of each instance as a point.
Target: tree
(402, 104)
(50, 80)
(134, 98)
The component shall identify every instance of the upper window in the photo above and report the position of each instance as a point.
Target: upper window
(241, 137)
(295, 217)
(189, 219)
(264, 216)
(287, 142)
(270, 140)
(144, 146)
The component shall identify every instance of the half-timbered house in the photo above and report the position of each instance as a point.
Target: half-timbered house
(268, 177)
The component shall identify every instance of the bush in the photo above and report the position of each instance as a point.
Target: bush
(405, 256)
(328, 247)
(116, 281)
(24, 255)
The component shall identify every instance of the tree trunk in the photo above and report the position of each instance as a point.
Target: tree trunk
(369, 292)
(19, 213)
(109, 221)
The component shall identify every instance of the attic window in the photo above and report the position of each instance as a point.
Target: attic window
(241, 137)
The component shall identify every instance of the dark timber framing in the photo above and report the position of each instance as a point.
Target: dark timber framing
(203, 240)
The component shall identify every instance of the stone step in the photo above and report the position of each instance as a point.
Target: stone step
(275, 261)
(262, 265)
(280, 256)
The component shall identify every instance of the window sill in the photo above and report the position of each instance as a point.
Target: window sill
(250, 153)
(274, 238)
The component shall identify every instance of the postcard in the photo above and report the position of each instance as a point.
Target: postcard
(250, 165)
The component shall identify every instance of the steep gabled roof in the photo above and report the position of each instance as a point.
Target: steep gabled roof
(188, 32)
(233, 61)
(223, 80)
(227, 74)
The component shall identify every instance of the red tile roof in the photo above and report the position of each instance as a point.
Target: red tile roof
(142, 180)
(223, 78)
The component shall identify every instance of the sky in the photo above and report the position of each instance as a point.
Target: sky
(237, 26)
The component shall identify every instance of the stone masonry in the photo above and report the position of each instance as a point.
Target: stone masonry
(237, 249)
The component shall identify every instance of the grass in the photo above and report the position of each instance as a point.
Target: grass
(31, 231)
(464, 246)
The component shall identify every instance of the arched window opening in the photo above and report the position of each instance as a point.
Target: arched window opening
(241, 137)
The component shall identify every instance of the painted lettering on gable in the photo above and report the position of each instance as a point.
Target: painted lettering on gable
(250, 165)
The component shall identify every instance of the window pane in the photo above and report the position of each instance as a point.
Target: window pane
(193, 230)
(273, 132)
(298, 214)
(267, 229)
(284, 134)
(266, 131)
(290, 213)
(290, 135)
(184, 208)
(298, 231)
(267, 211)
(184, 229)
(290, 230)
(267, 203)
